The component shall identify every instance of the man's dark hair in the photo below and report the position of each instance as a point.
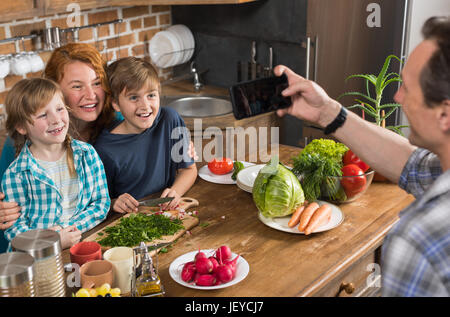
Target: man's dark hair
(435, 76)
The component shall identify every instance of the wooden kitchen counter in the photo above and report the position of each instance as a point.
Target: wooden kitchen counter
(284, 264)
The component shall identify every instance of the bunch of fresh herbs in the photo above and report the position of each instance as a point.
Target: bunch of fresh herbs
(319, 159)
(132, 230)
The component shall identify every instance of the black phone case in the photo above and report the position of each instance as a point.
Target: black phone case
(279, 80)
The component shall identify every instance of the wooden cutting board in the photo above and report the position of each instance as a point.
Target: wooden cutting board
(188, 222)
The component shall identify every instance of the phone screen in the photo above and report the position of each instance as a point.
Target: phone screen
(259, 96)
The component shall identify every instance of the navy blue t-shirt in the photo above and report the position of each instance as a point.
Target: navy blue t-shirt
(145, 163)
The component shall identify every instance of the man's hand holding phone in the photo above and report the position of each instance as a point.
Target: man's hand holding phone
(309, 101)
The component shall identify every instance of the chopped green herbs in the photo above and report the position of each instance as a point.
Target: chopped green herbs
(132, 230)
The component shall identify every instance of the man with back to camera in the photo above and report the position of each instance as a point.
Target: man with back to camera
(416, 251)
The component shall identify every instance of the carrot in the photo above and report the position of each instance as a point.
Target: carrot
(321, 216)
(307, 214)
(295, 219)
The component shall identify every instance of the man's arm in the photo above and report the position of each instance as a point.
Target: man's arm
(385, 151)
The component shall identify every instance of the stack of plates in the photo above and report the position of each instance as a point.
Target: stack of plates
(172, 47)
(246, 178)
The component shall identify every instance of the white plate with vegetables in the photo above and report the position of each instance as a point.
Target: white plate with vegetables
(206, 174)
(176, 267)
(281, 223)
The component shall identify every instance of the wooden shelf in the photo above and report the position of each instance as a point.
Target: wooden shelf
(23, 9)
(177, 2)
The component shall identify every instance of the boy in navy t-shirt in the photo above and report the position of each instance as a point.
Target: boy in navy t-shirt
(147, 152)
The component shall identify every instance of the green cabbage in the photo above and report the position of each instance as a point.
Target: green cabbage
(277, 191)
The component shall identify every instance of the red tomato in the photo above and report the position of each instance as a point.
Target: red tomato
(221, 166)
(353, 185)
(351, 158)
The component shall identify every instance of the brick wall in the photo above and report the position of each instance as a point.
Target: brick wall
(129, 38)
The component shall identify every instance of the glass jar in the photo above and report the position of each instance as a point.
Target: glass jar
(45, 247)
(16, 275)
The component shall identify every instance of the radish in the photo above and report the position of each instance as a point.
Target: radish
(188, 272)
(214, 262)
(205, 279)
(224, 273)
(203, 265)
(218, 282)
(200, 254)
(232, 264)
(223, 253)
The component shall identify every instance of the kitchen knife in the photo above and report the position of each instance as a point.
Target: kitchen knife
(155, 202)
(151, 247)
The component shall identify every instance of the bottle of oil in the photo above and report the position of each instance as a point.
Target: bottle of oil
(148, 283)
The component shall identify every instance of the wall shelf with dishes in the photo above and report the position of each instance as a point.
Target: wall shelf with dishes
(171, 47)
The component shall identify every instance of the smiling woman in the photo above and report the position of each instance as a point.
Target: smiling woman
(80, 71)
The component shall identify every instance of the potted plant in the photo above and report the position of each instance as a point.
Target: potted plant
(370, 101)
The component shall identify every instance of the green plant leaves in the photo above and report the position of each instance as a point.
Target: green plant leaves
(354, 93)
(382, 75)
(371, 105)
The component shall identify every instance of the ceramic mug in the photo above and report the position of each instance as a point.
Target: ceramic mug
(123, 261)
(85, 251)
(4, 66)
(96, 273)
(36, 62)
(20, 65)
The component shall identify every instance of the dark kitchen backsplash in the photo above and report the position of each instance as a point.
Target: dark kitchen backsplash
(224, 34)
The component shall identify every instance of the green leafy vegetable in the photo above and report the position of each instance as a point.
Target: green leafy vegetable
(132, 230)
(237, 167)
(277, 191)
(319, 159)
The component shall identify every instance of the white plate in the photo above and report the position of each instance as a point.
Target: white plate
(188, 40)
(175, 268)
(209, 176)
(246, 177)
(180, 54)
(337, 217)
(243, 187)
(162, 47)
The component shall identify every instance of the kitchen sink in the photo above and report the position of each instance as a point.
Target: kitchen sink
(198, 106)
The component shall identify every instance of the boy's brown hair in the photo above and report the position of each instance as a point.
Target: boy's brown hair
(24, 99)
(131, 73)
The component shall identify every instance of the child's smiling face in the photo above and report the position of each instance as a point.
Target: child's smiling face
(50, 124)
(139, 108)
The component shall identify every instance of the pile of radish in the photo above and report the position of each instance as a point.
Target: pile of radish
(211, 270)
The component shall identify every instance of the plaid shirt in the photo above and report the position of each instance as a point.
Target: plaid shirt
(27, 183)
(416, 252)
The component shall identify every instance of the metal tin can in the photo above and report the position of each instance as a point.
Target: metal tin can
(16, 275)
(45, 246)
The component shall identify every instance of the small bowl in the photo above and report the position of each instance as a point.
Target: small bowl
(96, 273)
(345, 189)
(85, 251)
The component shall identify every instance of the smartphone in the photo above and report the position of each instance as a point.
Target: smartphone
(259, 96)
